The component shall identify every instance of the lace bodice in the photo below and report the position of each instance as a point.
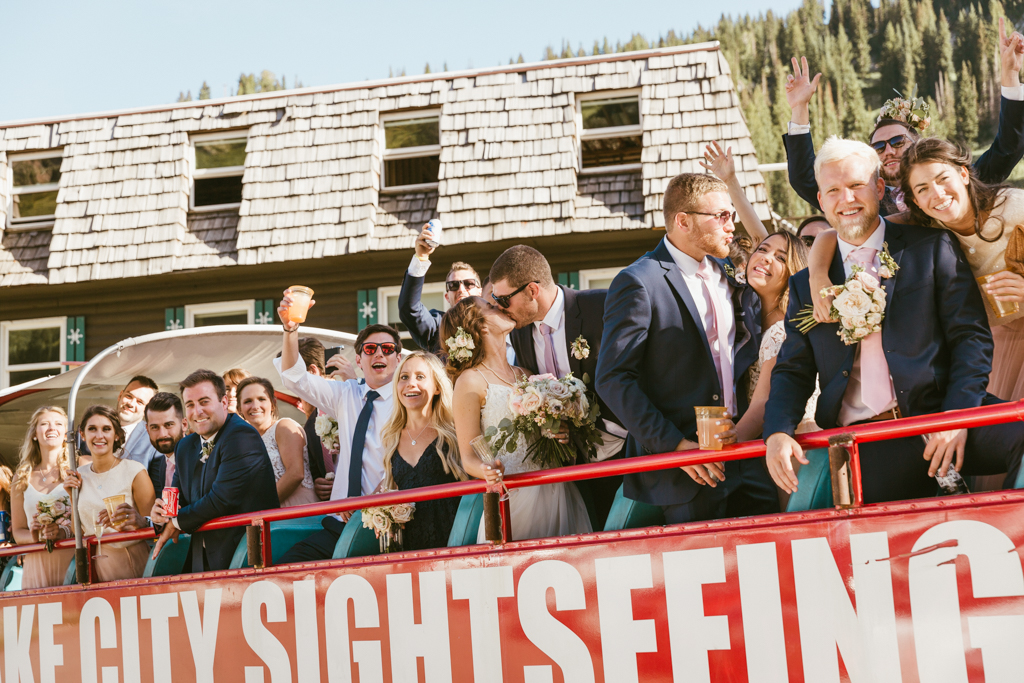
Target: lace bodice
(270, 440)
(494, 410)
(771, 344)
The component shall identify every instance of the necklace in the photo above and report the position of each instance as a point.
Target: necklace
(46, 475)
(511, 384)
(413, 438)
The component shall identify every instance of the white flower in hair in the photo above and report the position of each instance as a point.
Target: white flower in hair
(460, 347)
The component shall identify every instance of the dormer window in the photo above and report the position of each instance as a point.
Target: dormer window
(218, 170)
(412, 150)
(611, 137)
(36, 182)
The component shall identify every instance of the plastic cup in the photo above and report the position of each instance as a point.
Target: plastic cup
(707, 416)
(112, 503)
(300, 297)
(1001, 308)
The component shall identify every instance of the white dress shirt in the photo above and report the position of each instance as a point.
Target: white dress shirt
(344, 401)
(555, 319)
(853, 408)
(722, 291)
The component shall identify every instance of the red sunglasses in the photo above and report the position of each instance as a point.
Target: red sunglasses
(387, 348)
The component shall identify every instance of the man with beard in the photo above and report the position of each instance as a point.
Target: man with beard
(131, 406)
(164, 424)
(891, 136)
(677, 335)
(933, 353)
(558, 331)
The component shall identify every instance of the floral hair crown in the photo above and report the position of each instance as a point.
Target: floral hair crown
(460, 347)
(913, 112)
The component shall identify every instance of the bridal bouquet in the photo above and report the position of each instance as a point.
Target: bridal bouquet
(859, 306)
(326, 428)
(386, 522)
(54, 512)
(541, 406)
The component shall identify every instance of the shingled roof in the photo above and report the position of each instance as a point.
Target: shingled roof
(311, 188)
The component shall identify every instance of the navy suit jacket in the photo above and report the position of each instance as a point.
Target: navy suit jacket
(424, 326)
(584, 316)
(157, 471)
(236, 478)
(656, 365)
(935, 334)
(994, 166)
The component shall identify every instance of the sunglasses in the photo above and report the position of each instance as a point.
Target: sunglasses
(894, 142)
(387, 348)
(456, 285)
(505, 300)
(722, 216)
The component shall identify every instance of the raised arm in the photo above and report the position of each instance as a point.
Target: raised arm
(800, 88)
(720, 162)
(996, 164)
(818, 264)
(423, 327)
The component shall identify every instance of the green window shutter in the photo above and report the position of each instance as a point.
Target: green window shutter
(265, 312)
(174, 318)
(366, 312)
(74, 342)
(570, 280)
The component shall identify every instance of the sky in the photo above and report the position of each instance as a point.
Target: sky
(72, 57)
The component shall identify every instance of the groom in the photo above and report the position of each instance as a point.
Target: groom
(558, 330)
(934, 351)
(677, 335)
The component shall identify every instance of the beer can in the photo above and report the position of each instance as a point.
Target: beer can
(435, 233)
(5, 526)
(170, 496)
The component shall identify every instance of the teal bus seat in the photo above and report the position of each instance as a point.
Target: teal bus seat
(814, 484)
(283, 535)
(356, 540)
(1019, 484)
(632, 514)
(466, 528)
(171, 560)
(70, 578)
(10, 579)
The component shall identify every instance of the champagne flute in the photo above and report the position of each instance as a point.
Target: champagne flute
(99, 539)
(483, 450)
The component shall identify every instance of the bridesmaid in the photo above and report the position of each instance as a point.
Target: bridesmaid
(284, 438)
(421, 446)
(111, 475)
(41, 470)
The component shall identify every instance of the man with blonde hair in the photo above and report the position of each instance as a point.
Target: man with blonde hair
(678, 332)
(933, 353)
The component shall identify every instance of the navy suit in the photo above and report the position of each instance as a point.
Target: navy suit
(994, 166)
(236, 478)
(939, 350)
(424, 326)
(157, 471)
(655, 366)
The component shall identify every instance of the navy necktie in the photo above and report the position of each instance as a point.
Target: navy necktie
(355, 463)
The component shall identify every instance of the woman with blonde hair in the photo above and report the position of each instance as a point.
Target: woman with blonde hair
(421, 447)
(42, 468)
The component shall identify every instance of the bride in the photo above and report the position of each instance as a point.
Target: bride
(483, 385)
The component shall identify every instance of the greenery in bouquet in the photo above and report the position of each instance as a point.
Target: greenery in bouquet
(541, 406)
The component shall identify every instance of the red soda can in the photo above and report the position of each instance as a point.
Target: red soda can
(170, 496)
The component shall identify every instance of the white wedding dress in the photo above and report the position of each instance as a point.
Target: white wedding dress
(537, 511)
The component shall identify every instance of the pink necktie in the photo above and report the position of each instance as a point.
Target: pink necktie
(723, 364)
(169, 476)
(549, 349)
(875, 386)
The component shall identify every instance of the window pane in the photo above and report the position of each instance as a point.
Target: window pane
(208, 319)
(33, 346)
(624, 111)
(601, 283)
(612, 151)
(220, 153)
(213, 191)
(431, 300)
(26, 375)
(398, 172)
(33, 204)
(412, 133)
(36, 171)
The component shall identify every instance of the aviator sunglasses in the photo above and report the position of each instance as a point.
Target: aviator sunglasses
(505, 300)
(455, 285)
(894, 142)
(387, 348)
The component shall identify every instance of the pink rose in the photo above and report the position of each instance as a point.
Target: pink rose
(546, 376)
(531, 402)
(515, 404)
(869, 281)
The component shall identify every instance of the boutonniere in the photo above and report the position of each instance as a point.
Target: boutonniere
(580, 348)
(207, 450)
(887, 265)
(731, 271)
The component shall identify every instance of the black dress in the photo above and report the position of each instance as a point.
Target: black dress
(433, 519)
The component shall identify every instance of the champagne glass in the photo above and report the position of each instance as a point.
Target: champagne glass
(483, 450)
(99, 539)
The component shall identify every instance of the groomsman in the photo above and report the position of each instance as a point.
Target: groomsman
(558, 331)
(131, 405)
(677, 334)
(933, 353)
(165, 428)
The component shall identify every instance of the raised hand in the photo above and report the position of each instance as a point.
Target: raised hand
(800, 88)
(719, 162)
(282, 312)
(1011, 55)
(422, 248)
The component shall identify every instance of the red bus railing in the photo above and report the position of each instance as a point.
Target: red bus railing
(875, 431)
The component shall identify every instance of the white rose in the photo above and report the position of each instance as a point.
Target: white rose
(851, 303)
(884, 272)
(879, 295)
(854, 286)
(861, 332)
(554, 406)
(868, 281)
(558, 391)
(532, 401)
(847, 323)
(874, 318)
(858, 321)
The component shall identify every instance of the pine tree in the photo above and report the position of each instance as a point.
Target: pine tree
(204, 91)
(890, 68)
(185, 96)
(967, 106)
(860, 36)
(426, 69)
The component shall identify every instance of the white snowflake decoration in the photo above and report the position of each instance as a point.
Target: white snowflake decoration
(75, 337)
(174, 325)
(263, 319)
(368, 310)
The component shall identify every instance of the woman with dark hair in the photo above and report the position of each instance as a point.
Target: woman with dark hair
(284, 438)
(109, 475)
(944, 192)
(473, 331)
(232, 378)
